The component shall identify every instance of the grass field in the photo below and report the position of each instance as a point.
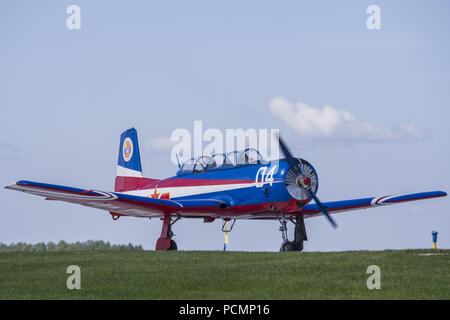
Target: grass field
(225, 275)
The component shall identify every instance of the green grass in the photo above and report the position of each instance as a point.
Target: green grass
(225, 275)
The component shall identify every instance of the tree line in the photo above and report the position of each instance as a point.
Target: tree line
(89, 245)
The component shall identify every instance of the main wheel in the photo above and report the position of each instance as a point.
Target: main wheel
(286, 246)
(297, 245)
(173, 245)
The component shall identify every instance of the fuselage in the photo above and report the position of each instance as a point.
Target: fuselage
(245, 189)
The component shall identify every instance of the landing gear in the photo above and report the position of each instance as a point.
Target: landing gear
(165, 241)
(173, 245)
(287, 246)
(299, 232)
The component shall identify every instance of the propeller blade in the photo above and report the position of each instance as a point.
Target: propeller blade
(323, 209)
(293, 162)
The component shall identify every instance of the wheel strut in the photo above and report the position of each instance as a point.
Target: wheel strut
(286, 245)
(165, 241)
(299, 233)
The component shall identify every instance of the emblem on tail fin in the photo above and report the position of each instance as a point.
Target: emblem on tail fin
(127, 149)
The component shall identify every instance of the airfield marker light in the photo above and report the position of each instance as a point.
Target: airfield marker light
(434, 235)
(225, 242)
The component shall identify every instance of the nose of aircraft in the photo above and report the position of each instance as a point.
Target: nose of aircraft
(303, 182)
(298, 184)
(307, 181)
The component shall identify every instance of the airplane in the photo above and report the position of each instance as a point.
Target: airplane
(231, 186)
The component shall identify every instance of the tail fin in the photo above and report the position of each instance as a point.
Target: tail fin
(129, 169)
(129, 163)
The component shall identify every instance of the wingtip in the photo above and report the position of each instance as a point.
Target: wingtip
(10, 186)
(13, 185)
(439, 193)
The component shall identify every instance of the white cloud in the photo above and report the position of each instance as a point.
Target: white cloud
(333, 124)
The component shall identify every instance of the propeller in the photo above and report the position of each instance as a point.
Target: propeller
(302, 181)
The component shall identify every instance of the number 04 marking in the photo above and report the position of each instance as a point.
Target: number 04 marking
(264, 178)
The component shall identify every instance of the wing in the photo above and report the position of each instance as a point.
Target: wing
(346, 205)
(115, 202)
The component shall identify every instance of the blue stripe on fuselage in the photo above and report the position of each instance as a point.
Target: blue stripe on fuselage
(244, 196)
(241, 172)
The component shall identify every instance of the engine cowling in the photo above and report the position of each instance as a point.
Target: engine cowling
(297, 185)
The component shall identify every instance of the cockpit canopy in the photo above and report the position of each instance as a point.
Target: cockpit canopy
(232, 159)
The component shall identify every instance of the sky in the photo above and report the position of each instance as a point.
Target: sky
(368, 108)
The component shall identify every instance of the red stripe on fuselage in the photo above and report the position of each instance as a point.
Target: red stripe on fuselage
(198, 182)
(289, 206)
